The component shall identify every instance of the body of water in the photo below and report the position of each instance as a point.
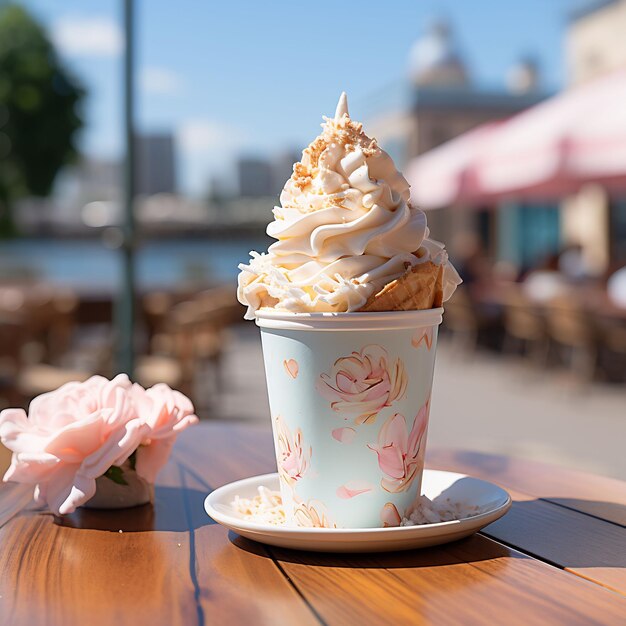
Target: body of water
(89, 265)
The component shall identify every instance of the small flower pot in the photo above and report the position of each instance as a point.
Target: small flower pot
(112, 493)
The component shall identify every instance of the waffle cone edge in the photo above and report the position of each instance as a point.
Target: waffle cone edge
(419, 288)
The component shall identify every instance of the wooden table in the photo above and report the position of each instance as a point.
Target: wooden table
(558, 556)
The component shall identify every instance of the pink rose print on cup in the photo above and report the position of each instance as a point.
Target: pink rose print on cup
(344, 435)
(389, 516)
(313, 514)
(398, 450)
(293, 457)
(360, 385)
(353, 488)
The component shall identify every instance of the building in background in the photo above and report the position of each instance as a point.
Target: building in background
(282, 169)
(156, 171)
(595, 218)
(438, 102)
(88, 195)
(86, 182)
(254, 177)
(265, 177)
(596, 40)
(91, 179)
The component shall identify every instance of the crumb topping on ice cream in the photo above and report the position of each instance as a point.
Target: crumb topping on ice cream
(344, 228)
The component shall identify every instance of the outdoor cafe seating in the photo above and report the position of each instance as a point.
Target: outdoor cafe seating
(566, 332)
(45, 342)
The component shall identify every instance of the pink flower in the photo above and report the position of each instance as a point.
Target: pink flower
(292, 457)
(344, 435)
(398, 450)
(389, 515)
(361, 384)
(313, 515)
(167, 412)
(353, 488)
(73, 435)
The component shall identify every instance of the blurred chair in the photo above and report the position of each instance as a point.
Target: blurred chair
(156, 306)
(198, 331)
(612, 335)
(170, 357)
(187, 342)
(62, 325)
(41, 378)
(572, 329)
(11, 329)
(223, 303)
(525, 327)
(48, 317)
(151, 369)
(36, 328)
(463, 320)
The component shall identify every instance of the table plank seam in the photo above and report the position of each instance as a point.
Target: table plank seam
(192, 548)
(520, 550)
(534, 491)
(549, 562)
(184, 468)
(601, 584)
(180, 462)
(575, 510)
(295, 587)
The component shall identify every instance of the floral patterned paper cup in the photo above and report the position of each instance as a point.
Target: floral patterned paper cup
(349, 398)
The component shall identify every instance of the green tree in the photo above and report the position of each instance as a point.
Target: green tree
(39, 112)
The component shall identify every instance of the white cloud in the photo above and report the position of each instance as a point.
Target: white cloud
(160, 80)
(201, 136)
(207, 148)
(87, 36)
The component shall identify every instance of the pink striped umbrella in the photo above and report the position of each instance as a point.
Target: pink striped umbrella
(549, 150)
(552, 148)
(443, 176)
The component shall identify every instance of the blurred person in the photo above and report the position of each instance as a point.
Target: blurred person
(546, 282)
(505, 272)
(616, 287)
(470, 259)
(572, 263)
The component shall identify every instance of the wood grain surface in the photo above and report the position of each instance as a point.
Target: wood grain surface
(582, 535)
(556, 558)
(595, 495)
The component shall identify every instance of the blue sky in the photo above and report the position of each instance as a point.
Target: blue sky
(256, 77)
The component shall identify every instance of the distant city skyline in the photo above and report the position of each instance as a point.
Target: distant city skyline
(249, 78)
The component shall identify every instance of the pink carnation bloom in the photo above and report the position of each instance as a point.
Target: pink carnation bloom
(167, 412)
(389, 515)
(399, 451)
(72, 436)
(292, 455)
(361, 384)
(313, 515)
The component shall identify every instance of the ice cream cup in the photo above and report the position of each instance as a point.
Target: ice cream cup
(349, 398)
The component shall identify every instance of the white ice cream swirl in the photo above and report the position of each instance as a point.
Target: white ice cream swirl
(345, 228)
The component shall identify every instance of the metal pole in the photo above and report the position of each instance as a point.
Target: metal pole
(125, 308)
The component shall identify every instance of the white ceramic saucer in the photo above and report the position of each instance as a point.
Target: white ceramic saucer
(493, 501)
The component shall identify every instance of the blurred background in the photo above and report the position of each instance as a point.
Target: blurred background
(143, 146)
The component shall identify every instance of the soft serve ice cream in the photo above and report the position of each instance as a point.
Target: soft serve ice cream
(346, 231)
